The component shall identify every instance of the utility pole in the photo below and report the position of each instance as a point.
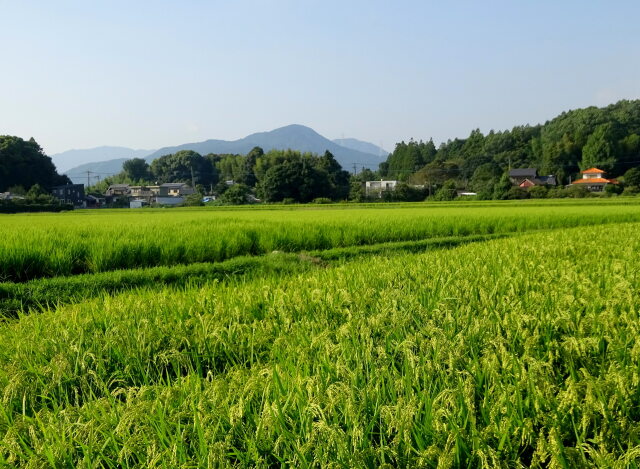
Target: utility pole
(193, 179)
(354, 169)
(89, 173)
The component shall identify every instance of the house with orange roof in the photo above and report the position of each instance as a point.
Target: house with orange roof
(594, 180)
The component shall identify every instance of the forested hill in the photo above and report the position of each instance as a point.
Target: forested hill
(608, 138)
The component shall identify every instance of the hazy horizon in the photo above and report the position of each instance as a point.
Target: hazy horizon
(149, 75)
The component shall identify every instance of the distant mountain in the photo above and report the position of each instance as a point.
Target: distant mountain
(98, 169)
(72, 158)
(364, 147)
(295, 137)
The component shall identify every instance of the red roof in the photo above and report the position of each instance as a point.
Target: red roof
(593, 171)
(595, 180)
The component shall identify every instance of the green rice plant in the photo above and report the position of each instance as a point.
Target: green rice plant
(49, 245)
(16, 298)
(514, 352)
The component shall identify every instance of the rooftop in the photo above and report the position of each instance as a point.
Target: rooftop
(595, 181)
(523, 172)
(593, 171)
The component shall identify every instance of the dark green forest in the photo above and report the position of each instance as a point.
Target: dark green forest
(23, 164)
(608, 138)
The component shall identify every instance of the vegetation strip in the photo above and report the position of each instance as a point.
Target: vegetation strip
(47, 293)
(36, 246)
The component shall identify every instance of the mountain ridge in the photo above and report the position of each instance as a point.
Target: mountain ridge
(69, 159)
(295, 136)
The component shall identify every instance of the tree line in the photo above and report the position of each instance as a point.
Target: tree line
(607, 138)
(275, 176)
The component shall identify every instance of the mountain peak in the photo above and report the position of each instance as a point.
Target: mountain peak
(295, 137)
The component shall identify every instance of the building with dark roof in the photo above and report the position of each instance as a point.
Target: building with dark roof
(528, 177)
(70, 194)
(175, 189)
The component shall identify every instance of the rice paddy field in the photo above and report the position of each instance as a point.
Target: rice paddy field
(414, 335)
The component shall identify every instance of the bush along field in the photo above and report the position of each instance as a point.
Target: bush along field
(521, 350)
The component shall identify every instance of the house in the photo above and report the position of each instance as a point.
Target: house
(70, 194)
(593, 179)
(378, 187)
(94, 202)
(115, 190)
(144, 191)
(528, 177)
(518, 176)
(175, 189)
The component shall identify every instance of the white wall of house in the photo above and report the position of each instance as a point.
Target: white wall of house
(379, 186)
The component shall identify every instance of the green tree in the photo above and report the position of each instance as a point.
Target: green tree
(338, 178)
(632, 177)
(357, 190)
(281, 182)
(295, 178)
(599, 149)
(184, 166)
(248, 176)
(23, 163)
(502, 187)
(406, 193)
(447, 191)
(236, 195)
(136, 169)
(485, 177)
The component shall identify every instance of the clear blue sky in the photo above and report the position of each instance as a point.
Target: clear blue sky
(147, 74)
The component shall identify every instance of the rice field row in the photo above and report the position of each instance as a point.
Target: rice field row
(514, 352)
(49, 245)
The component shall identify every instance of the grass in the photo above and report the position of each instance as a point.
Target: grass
(514, 352)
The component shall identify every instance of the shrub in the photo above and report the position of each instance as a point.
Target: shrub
(447, 191)
(613, 189)
(516, 193)
(538, 192)
(577, 191)
(322, 200)
(235, 195)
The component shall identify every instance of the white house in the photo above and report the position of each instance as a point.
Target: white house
(378, 187)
